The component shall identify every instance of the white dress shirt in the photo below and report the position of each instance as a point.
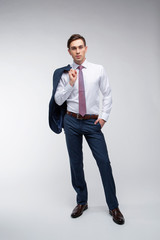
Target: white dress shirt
(95, 79)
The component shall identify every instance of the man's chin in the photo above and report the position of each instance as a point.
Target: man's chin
(79, 61)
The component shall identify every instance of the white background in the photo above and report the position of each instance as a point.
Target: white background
(36, 196)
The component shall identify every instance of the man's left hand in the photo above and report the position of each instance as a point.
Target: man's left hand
(101, 121)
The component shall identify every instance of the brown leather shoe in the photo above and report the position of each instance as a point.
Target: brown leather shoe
(78, 210)
(117, 216)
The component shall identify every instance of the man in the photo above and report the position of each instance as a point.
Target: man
(79, 88)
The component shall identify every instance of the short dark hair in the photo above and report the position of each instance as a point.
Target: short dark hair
(75, 37)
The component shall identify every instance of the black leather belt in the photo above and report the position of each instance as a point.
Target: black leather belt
(79, 116)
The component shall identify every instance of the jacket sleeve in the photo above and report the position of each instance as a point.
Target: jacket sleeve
(56, 112)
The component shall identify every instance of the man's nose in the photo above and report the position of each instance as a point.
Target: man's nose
(77, 50)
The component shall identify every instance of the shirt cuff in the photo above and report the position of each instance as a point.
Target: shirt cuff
(104, 116)
(68, 87)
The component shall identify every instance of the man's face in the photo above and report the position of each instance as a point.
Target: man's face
(77, 50)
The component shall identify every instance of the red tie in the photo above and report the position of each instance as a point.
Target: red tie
(82, 101)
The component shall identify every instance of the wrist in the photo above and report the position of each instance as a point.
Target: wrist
(71, 83)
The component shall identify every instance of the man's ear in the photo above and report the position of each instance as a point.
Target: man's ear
(69, 51)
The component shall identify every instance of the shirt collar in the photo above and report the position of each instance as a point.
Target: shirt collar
(75, 65)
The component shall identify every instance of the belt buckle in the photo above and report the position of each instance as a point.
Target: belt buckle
(79, 116)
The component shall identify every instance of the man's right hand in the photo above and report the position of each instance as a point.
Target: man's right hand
(72, 76)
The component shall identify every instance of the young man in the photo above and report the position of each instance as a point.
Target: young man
(79, 88)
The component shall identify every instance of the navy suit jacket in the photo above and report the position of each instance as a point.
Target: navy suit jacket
(56, 112)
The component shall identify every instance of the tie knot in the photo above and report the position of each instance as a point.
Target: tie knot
(80, 67)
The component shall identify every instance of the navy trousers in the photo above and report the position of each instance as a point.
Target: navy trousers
(75, 129)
